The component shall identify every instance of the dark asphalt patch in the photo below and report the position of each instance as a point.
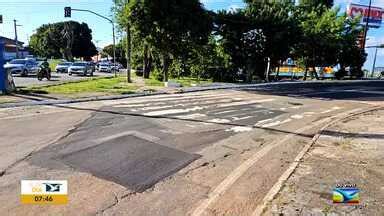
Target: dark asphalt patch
(347, 95)
(130, 161)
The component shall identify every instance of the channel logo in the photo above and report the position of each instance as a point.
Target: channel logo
(348, 195)
(44, 192)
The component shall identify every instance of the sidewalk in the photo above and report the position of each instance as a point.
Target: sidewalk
(350, 152)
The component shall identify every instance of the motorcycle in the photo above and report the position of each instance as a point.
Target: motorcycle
(44, 71)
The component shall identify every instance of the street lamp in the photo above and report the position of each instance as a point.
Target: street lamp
(67, 13)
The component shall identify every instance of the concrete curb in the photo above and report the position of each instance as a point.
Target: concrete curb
(272, 193)
(190, 90)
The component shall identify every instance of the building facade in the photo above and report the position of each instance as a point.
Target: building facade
(10, 51)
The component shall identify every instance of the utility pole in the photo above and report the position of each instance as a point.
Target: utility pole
(16, 41)
(114, 49)
(366, 24)
(374, 63)
(67, 13)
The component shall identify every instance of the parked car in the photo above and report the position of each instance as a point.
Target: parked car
(63, 67)
(119, 66)
(105, 67)
(22, 66)
(82, 68)
(92, 65)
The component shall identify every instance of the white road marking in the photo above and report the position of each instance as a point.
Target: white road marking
(297, 116)
(239, 129)
(174, 111)
(138, 134)
(154, 108)
(276, 123)
(234, 118)
(191, 116)
(245, 102)
(261, 122)
(218, 120)
(138, 105)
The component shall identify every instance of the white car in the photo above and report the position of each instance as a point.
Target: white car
(105, 67)
(82, 68)
(63, 67)
(22, 67)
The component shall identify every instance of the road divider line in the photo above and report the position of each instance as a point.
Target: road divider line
(245, 166)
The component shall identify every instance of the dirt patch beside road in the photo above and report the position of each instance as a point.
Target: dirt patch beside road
(350, 152)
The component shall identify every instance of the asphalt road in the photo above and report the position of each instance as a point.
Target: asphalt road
(32, 80)
(202, 153)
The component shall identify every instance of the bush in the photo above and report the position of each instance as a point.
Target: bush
(158, 74)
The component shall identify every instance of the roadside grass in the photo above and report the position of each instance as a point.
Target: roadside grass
(110, 85)
(188, 81)
(152, 81)
(183, 81)
(104, 86)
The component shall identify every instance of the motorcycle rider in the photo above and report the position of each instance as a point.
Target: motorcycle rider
(44, 70)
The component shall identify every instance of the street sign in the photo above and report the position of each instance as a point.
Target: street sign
(374, 19)
(1, 19)
(67, 12)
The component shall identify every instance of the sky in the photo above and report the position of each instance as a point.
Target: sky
(31, 14)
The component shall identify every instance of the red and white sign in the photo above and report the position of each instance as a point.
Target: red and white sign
(374, 19)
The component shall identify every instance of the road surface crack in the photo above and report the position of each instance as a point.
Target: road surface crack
(116, 201)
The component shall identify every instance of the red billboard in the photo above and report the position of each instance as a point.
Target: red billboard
(374, 19)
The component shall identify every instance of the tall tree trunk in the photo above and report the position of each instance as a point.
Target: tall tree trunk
(165, 67)
(306, 72)
(145, 63)
(278, 72)
(314, 72)
(149, 66)
(128, 54)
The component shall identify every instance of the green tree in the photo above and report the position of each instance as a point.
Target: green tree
(262, 30)
(316, 3)
(349, 53)
(320, 39)
(120, 52)
(279, 27)
(167, 26)
(63, 40)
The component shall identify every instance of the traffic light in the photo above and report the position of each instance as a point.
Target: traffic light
(1, 19)
(67, 12)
